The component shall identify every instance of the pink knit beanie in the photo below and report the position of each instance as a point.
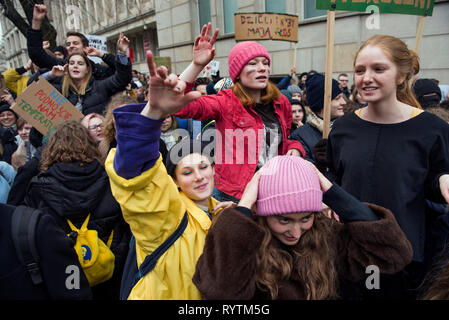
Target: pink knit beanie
(243, 52)
(288, 184)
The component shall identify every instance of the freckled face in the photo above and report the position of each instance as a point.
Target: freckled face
(288, 228)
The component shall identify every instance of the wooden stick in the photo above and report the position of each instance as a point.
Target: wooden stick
(419, 32)
(328, 72)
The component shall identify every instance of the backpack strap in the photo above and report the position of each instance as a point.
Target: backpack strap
(23, 227)
(132, 274)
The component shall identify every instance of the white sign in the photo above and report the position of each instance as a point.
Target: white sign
(98, 42)
(214, 67)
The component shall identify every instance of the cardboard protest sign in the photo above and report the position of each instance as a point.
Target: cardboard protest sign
(266, 26)
(163, 61)
(413, 7)
(44, 107)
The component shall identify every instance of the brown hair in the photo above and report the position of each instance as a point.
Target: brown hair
(313, 258)
(406, 61)
(20, 123)
(82, 37)
(116, 101)
(71, 142)
(67, 82)
(270, 93)
(87, 118)
(438, 283)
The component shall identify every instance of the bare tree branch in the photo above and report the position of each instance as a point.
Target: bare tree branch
(14, 16)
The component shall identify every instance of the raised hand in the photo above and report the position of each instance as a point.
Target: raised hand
(203, 48)
(92, 51)
(46, 44)
(7, 97)
(58, 71)
(122, 43)
(166, 92)
(39, 12)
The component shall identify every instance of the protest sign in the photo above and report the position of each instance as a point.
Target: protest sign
(266, 26)
(413, 7)
(44, 107)
(98, 42)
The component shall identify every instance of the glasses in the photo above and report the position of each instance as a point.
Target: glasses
(95, 126)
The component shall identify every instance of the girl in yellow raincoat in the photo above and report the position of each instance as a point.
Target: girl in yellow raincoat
(157, 199)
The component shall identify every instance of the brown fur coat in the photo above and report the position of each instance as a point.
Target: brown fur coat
(227, 267)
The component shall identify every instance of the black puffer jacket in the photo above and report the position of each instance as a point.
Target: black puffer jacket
(72, 191)
(44, 60)
(99, 92)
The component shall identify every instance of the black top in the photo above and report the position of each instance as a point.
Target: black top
(272, 131)
(396, 166)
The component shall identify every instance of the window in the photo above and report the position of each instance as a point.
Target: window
(204, 12)
(275, 6)
(229, 8)
(310, 10)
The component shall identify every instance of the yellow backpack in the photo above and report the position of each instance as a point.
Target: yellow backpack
(94, 255)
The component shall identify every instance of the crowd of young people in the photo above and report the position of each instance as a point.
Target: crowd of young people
(267, 210)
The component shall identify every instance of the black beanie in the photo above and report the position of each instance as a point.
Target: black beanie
(315, 91)
(6, 107)
(423, 87)
(62, 50)
(185, 147)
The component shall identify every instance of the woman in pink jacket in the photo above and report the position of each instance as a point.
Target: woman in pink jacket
(252, 118)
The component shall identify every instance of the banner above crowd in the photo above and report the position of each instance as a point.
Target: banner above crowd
(266, 26)
(412, 7)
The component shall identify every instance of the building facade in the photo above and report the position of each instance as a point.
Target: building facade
(169, 27)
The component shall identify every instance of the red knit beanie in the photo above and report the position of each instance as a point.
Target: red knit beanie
(243, 52)
(288, 184)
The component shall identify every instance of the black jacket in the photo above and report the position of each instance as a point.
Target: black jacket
(72, 191)
(55, 253)
(23, 177)
(43, 60)
(9, 144)
(99, 92)
(309, 137)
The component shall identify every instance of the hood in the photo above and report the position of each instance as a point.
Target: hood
(72, 189)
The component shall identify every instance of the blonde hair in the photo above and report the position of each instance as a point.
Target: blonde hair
(68, 82)
(406, 61)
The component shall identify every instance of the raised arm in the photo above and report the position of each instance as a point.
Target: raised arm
(34, 40)
(203, 53)
(139, 126)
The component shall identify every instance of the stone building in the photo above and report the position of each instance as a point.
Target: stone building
(169, 27)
